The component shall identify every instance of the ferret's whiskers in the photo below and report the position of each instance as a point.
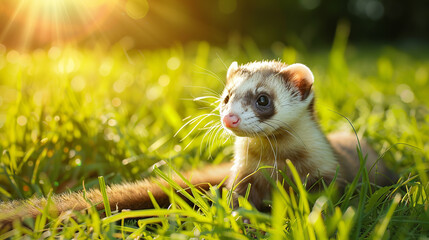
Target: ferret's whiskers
(206, 108)
(202, 99)
(190, 142)
(205, 97)
(218, 56)
(220, 132)
(274, 153)
(209, 90)
(247, 150)
(199, 118)
(203, 117)
(286, 128)
(187, 123)
(210, 73)
(272, 149)
(212, 136)
(209, 130)
(208, 125)
(260, 155)
(275, 159)
(214, 105)
(227, 137)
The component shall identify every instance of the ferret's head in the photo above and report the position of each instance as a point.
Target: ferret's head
(265, 98)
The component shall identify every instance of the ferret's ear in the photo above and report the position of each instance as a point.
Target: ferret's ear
(231, 70)
(300, 76)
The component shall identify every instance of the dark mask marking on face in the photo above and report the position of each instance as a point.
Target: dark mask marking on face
(264, 109)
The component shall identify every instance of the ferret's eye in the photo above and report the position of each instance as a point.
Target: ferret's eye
(263, 101)
(226, 99)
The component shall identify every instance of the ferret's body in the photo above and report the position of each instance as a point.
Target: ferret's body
(309, 151)
(269, 106)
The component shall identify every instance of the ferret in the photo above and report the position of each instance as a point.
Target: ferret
(269, 107)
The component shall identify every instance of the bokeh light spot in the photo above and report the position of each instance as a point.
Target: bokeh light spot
(153, 93)
(377, 97)
(309, 4)
(227, 6)
(124, 81)
(374, 10)
(137, 9)
(164, 80)
(78, 83)
(112, 122)
(177, 148)
(78, 162)
(106, 67)
(173, 63)
(13, 56)
(405, 93)
(50, 153)
(44, 141)
(40, 98)
(54, 53)
(21, 120)
(371, 9)
(72, 153)
(116, 102)
(67, 65)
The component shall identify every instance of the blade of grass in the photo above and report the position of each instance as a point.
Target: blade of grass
(380, 229)
(105, 198)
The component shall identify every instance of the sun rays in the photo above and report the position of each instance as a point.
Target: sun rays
(32, 23)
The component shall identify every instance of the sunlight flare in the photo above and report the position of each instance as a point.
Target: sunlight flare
(57, 21)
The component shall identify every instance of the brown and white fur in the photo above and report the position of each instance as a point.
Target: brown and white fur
(269, 106)
(286, 128)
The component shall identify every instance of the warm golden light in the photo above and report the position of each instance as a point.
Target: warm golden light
(137, 9)
(53, 21)
(29, 24)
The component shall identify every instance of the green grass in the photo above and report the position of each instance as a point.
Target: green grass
(70, 115)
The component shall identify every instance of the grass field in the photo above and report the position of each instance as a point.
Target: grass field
(69, 115)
